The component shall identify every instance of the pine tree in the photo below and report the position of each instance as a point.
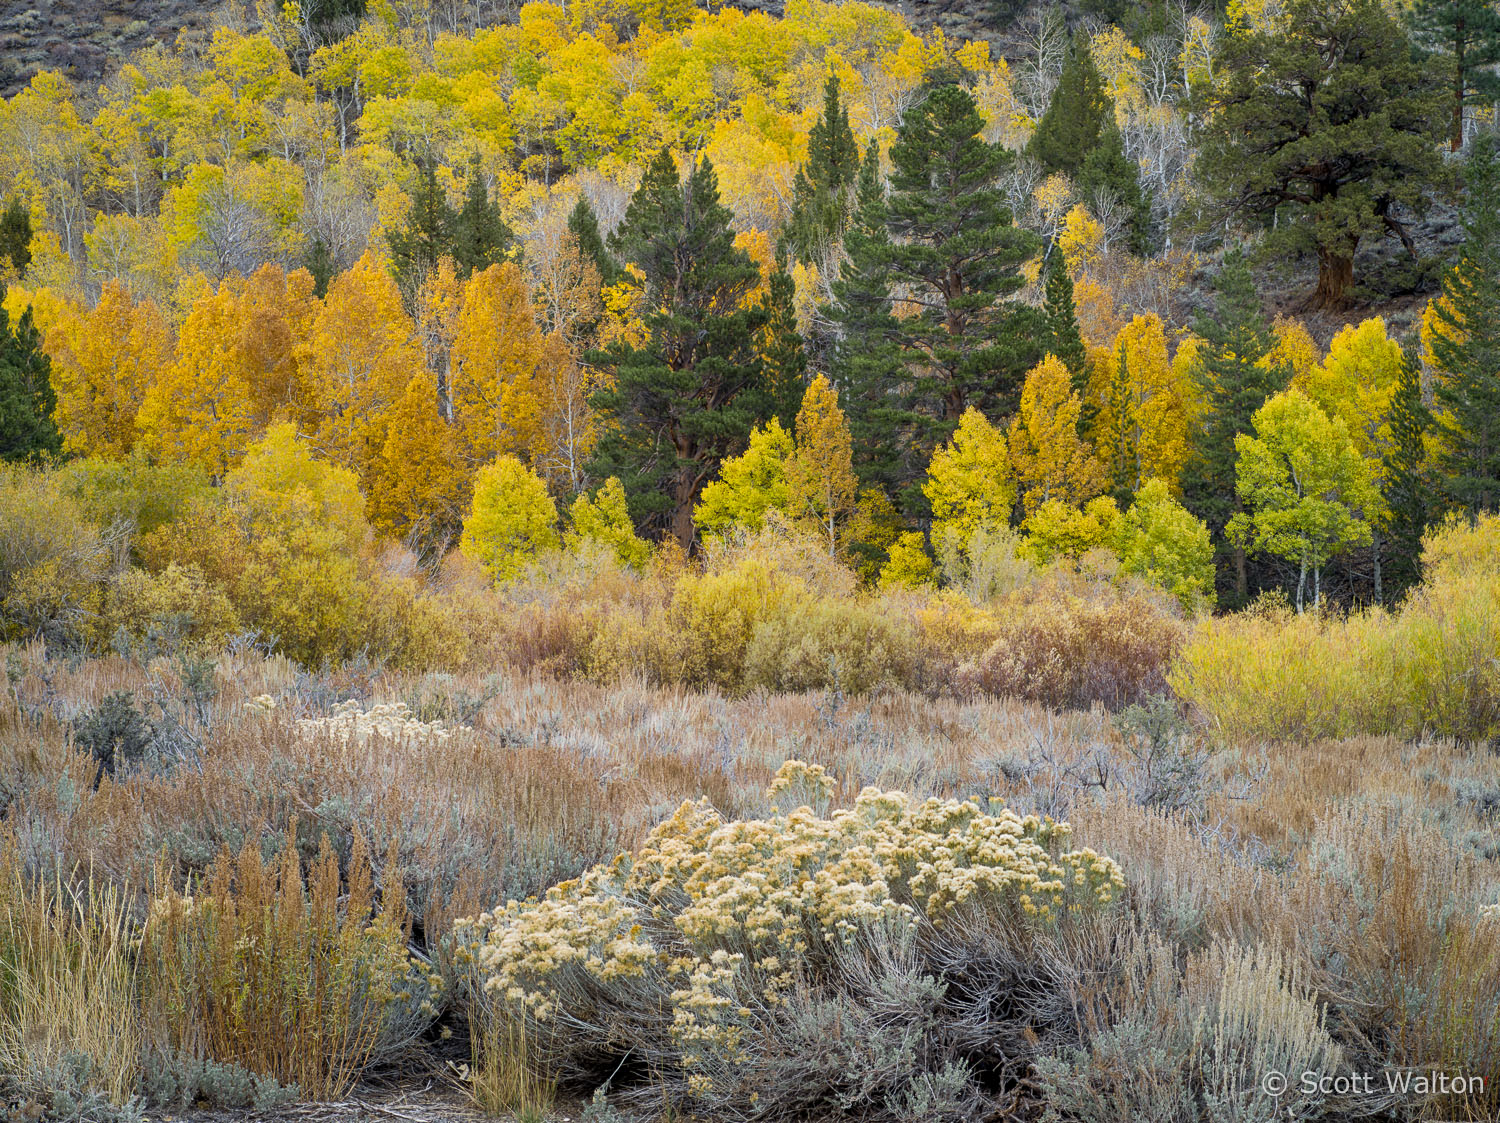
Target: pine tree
(583, 224)
(957, 250)
(1408, 496)
(1233, 384)
(1466, 346)
(1077, 115)
(1467, 32)
(480, 237)
(781, 345)
(28, 429)
(15, 236)
(319, 262)
(1107, 170)
(1324, 128)
(864, 358)
(426, 236)
(822, 191)
(693, 391)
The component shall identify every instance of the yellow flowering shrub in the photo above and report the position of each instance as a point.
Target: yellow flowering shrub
(713, 926)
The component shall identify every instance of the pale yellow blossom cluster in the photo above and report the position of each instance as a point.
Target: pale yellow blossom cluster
(392, 720)
(708, 1022)
(1490, 912)
(735, 906)
(808, 784)
(261, 704)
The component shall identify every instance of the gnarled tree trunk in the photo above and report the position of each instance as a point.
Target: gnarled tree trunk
(1335, 275)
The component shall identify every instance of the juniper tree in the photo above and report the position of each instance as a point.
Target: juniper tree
(1328, 117)
(1466, 346)
(691, 393)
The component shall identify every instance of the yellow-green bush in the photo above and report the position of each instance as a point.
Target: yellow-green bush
(178, 602)
(1431, 666)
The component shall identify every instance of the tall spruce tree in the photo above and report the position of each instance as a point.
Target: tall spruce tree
(864, 358)
(1408, 493)
(1466, 33)
(1324, 129)
(958, 255)
(822, 193)
(1061, 313)
(1233, 382)
(480, 237)
(1466, 346)
(1076, 116)
(28, 428)
(692, 392)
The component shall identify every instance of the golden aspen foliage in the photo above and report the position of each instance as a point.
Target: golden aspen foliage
(820, 476)
(1144, 407)
(201, 409)
(1058, 529)
(511, 520)
(1295, 351)
(909, 565)
(356, 361)
(969, 481)
(496, 352)
(604, 518)
(436, 315)
(1050, 459)
(1355, 383)
(556, 426)
(104, 361)
(283, 538)
(418, 486)
(750, 484)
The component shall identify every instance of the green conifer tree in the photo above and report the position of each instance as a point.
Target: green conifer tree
(1107, 169)
(781, 346)
(480, 237)
(864, 358)
(691, 394)
(15, 236)
(583, 224)
(28, 429)
(1076, 116)
(1232, 383)
(1408, 493)
(822, 193)
(1466, 346)
(959, 254)
(1466, 33)
(426, 235)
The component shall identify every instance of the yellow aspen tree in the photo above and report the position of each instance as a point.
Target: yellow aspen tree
(1295, 351)
(511, 519)
(969, 482)
(356, 361)
(1143, 427)
(604, 518)
(436, 314)
(821, 473)
(201, 410)
(1051, 460)
(496, 352)
(104, 361)
(1355, 383)
(418, 486)
(555, 424)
